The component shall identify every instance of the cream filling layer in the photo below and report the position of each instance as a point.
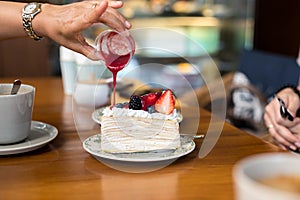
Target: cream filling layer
(123, 134)
(119, 112)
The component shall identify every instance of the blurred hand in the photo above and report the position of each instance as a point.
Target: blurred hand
(284, 131)
(64, 23)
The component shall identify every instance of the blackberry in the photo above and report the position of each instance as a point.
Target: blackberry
(135, 102)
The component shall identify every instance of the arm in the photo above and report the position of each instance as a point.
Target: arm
(11, 20)
(64, 23)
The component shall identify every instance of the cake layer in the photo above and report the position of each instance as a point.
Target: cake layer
(123, 134)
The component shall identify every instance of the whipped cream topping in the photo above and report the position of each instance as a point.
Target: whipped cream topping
(121, 112)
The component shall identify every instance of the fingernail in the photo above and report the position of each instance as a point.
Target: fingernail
(297, 144)
(127, 24)
(283, 147)
(293, 147)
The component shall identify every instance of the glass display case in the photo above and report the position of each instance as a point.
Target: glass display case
(221, 27)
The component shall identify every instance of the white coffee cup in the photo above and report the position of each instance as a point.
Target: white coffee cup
(261, 176)
(15, 113)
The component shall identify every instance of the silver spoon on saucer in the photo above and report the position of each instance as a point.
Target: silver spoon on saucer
(193, 136)
(16, 87)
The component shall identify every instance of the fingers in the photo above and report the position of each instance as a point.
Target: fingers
(101, 6)
(291, 99)
(80, 16)
(86, 49)
(284, 138)
(293, 103)
(273, 111)
(296, 129)
(115, 20)
(104, 13)
(98, 12)
(97, 9)
(90, 52)
(279, 128)
(116, 4)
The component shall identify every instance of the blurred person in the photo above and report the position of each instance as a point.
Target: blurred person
(281, 116)
(284, 130)
(61, 23)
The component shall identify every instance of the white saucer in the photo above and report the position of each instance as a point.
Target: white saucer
(40, 134)
(93, 146)
(97, 114)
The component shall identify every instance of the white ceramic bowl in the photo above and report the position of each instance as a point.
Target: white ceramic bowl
(248, 173)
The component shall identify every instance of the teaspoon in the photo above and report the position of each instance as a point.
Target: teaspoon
(193, 136)
(16, 87)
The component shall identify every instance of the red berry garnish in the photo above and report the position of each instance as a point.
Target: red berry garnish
(158, 94)
(150, 99)
(166, 103)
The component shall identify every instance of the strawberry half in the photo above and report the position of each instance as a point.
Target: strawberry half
(166, 103)
(149, 99)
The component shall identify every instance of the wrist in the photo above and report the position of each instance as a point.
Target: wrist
(43, 21)
(29, 12)
(37, 23)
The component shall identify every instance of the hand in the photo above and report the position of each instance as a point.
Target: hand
(283, 131)
(65, 23)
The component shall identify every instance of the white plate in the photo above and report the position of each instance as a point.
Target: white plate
(93, 146)
(97, 114)
(40, 134)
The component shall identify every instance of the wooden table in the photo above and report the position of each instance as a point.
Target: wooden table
(64, 170)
